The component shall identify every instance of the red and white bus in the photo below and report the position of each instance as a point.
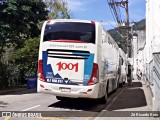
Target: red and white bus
(77, 59)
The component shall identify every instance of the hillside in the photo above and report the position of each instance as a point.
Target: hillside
(121, 41)
(141, 25)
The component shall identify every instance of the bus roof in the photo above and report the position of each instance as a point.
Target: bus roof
(70, 20)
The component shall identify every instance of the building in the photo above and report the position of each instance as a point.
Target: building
(153, 49)
(146, 50)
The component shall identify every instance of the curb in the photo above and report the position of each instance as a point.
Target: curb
(5, 92)
(145, 88)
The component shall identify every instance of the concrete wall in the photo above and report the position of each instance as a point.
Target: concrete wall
(146, 50)
(152, 49)
(138, 45)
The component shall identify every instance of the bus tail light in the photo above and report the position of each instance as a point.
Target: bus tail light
(48, 21)
(94, 78)
(40, 71)
(92, 22)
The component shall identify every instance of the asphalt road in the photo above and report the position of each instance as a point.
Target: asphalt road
(129, 98)
(30, 100)
(44, 102)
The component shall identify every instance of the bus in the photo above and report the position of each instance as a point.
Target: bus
(123, 67)
(77, 59)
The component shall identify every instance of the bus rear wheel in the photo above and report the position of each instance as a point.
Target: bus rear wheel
(121, 84)
(103, 100)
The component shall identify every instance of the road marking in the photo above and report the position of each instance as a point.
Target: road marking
(31, 107)
(7, 118)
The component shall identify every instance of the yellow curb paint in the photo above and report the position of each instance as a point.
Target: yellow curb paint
(88, 118)
(53, 118)
(7, 118)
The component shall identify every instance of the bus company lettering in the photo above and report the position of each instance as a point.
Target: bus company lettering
(69, 66)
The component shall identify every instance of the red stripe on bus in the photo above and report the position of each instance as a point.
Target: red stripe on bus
(70, 41)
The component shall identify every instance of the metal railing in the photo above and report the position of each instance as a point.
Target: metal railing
(156, 69)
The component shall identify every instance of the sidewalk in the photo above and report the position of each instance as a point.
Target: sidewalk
(133, 99)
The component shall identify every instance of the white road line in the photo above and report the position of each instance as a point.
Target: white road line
(31, 107)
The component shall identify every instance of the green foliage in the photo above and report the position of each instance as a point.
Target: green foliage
(18, 22)
(57, 9)
(122, 41)
(20, 25)
(26, 58)
(19, 19)
(115, 35)
(3, 76)
(141, 25)
(118, 38)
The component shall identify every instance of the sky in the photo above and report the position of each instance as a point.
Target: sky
(98, 10)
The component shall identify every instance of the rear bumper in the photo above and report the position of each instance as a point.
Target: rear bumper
(76, 91)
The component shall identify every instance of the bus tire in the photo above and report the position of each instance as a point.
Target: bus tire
(103, 100)
(124, 82)
(118, 82)
(121, 84)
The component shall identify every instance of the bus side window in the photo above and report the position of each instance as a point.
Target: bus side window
(122, 61)
(103, 38)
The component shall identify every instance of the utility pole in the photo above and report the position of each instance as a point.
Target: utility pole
(123, 4)
(114, 6)
(128, 29)
(129, 46)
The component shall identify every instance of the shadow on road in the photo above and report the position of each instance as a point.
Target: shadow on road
(128, 97)
(83, 104)
(131, 97)
(79, 104)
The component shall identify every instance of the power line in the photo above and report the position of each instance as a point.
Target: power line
(112, 12)
(108, 23)
(116, 6)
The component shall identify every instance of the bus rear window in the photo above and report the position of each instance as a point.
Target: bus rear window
(84, 32)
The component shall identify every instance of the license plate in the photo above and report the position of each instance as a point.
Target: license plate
(62, 89)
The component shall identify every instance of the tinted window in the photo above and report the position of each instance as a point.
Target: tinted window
(70, 31)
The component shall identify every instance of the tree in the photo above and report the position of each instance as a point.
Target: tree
(26, 58)
(20, 30)
(19, 19)
(57, 9)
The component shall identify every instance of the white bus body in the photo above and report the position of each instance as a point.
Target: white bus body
(123, 67)
(77, 59)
